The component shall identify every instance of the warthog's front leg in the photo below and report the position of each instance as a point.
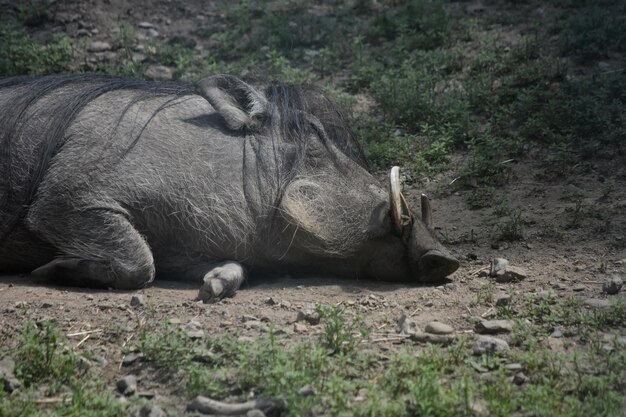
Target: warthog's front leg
(97, 248)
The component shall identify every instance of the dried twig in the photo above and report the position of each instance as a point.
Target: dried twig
(83, 340)
(84, 333)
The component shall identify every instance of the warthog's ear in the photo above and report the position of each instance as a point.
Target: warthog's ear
(240, 104)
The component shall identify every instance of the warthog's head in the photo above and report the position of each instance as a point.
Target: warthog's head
(308, 183)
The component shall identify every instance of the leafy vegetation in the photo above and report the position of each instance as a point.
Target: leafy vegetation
(348, 376)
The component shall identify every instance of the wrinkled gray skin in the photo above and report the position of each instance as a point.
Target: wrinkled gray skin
(198, 196)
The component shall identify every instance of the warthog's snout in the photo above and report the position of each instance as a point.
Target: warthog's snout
(437, 265)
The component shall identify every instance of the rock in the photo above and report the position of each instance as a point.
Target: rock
(149, 410)
(503, 272)
(612, 285)
(255, 413)
(146, 25)
(621, 341)
(152, 33)
(284, 304)
(253, 325)
(514, 367)
(300, 328)
(130, 359)
(309, 315)
(498, 265)
(494, 326)
(99, 46)
(503, 300)
(46, 305)
(520, 378)
(159, 72)
(406, 325)
(137, 300)
(556, 333)
(7, 378)
(436, 327)
(490, 345)
(579, 288)
(438, 339)
(597, 303)
(193, 329)
(270, 301)
(307, 391)
(127, 385)
(83, 32)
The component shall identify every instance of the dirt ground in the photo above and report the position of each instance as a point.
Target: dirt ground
(574, 237)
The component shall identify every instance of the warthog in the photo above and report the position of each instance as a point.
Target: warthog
(106, 182)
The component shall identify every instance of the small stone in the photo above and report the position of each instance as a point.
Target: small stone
(514, 367)
(300, 328)
(612, 285)
(7, 378)
(149, 410)
(193, 329)
(152, 33)
(494, 326)
(255, 413)
(46, 305)
(307, 391)
(439, 339)
(489, 344)
(436, 327)
(309, 315)
(579, 288)
(621, 341)
(105, 306)
(130, 359)
(83, 32)
(127, 385)
(512, 274)
(99, 46)
(284, 304)
(503, 300)
(146, 25)
(497, 265)
(520, 378)
(253, 325)
(556, 333)
(406, 325)
(270, 301)
(597, 303)
(137, 300)
(159, 72)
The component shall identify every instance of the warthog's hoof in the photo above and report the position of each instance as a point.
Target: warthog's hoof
(222, 281)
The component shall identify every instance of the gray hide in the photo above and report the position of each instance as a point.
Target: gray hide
(106, 182)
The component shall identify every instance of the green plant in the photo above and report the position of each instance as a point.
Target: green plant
(512, 229)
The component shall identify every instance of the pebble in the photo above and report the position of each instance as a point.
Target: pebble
(7, 378)
(504, 272)
(307, 391)
(612, 285)
(99, 46)
(83, 32)
(494, 326)
(597, 303)
(309, 315)
(127, 385)
(489, 344)
(137, 300)
(193, 329)
(514, 366)
(159, 72)
(300, 328)
(46, 305)
(146, 25)
(149, 410)
(497, 265)
(406, 325)
(255, 413)
(503, 300)
(621, 341)
(254, 325)
(439, 339)
(152, 33)
(520, 378)
(556, 333)
(436, 327)
(130, 359)
(579, 288)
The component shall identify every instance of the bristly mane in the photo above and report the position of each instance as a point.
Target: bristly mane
(291, 102)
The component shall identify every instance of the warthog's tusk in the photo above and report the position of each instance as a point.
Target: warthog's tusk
(400, 212)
